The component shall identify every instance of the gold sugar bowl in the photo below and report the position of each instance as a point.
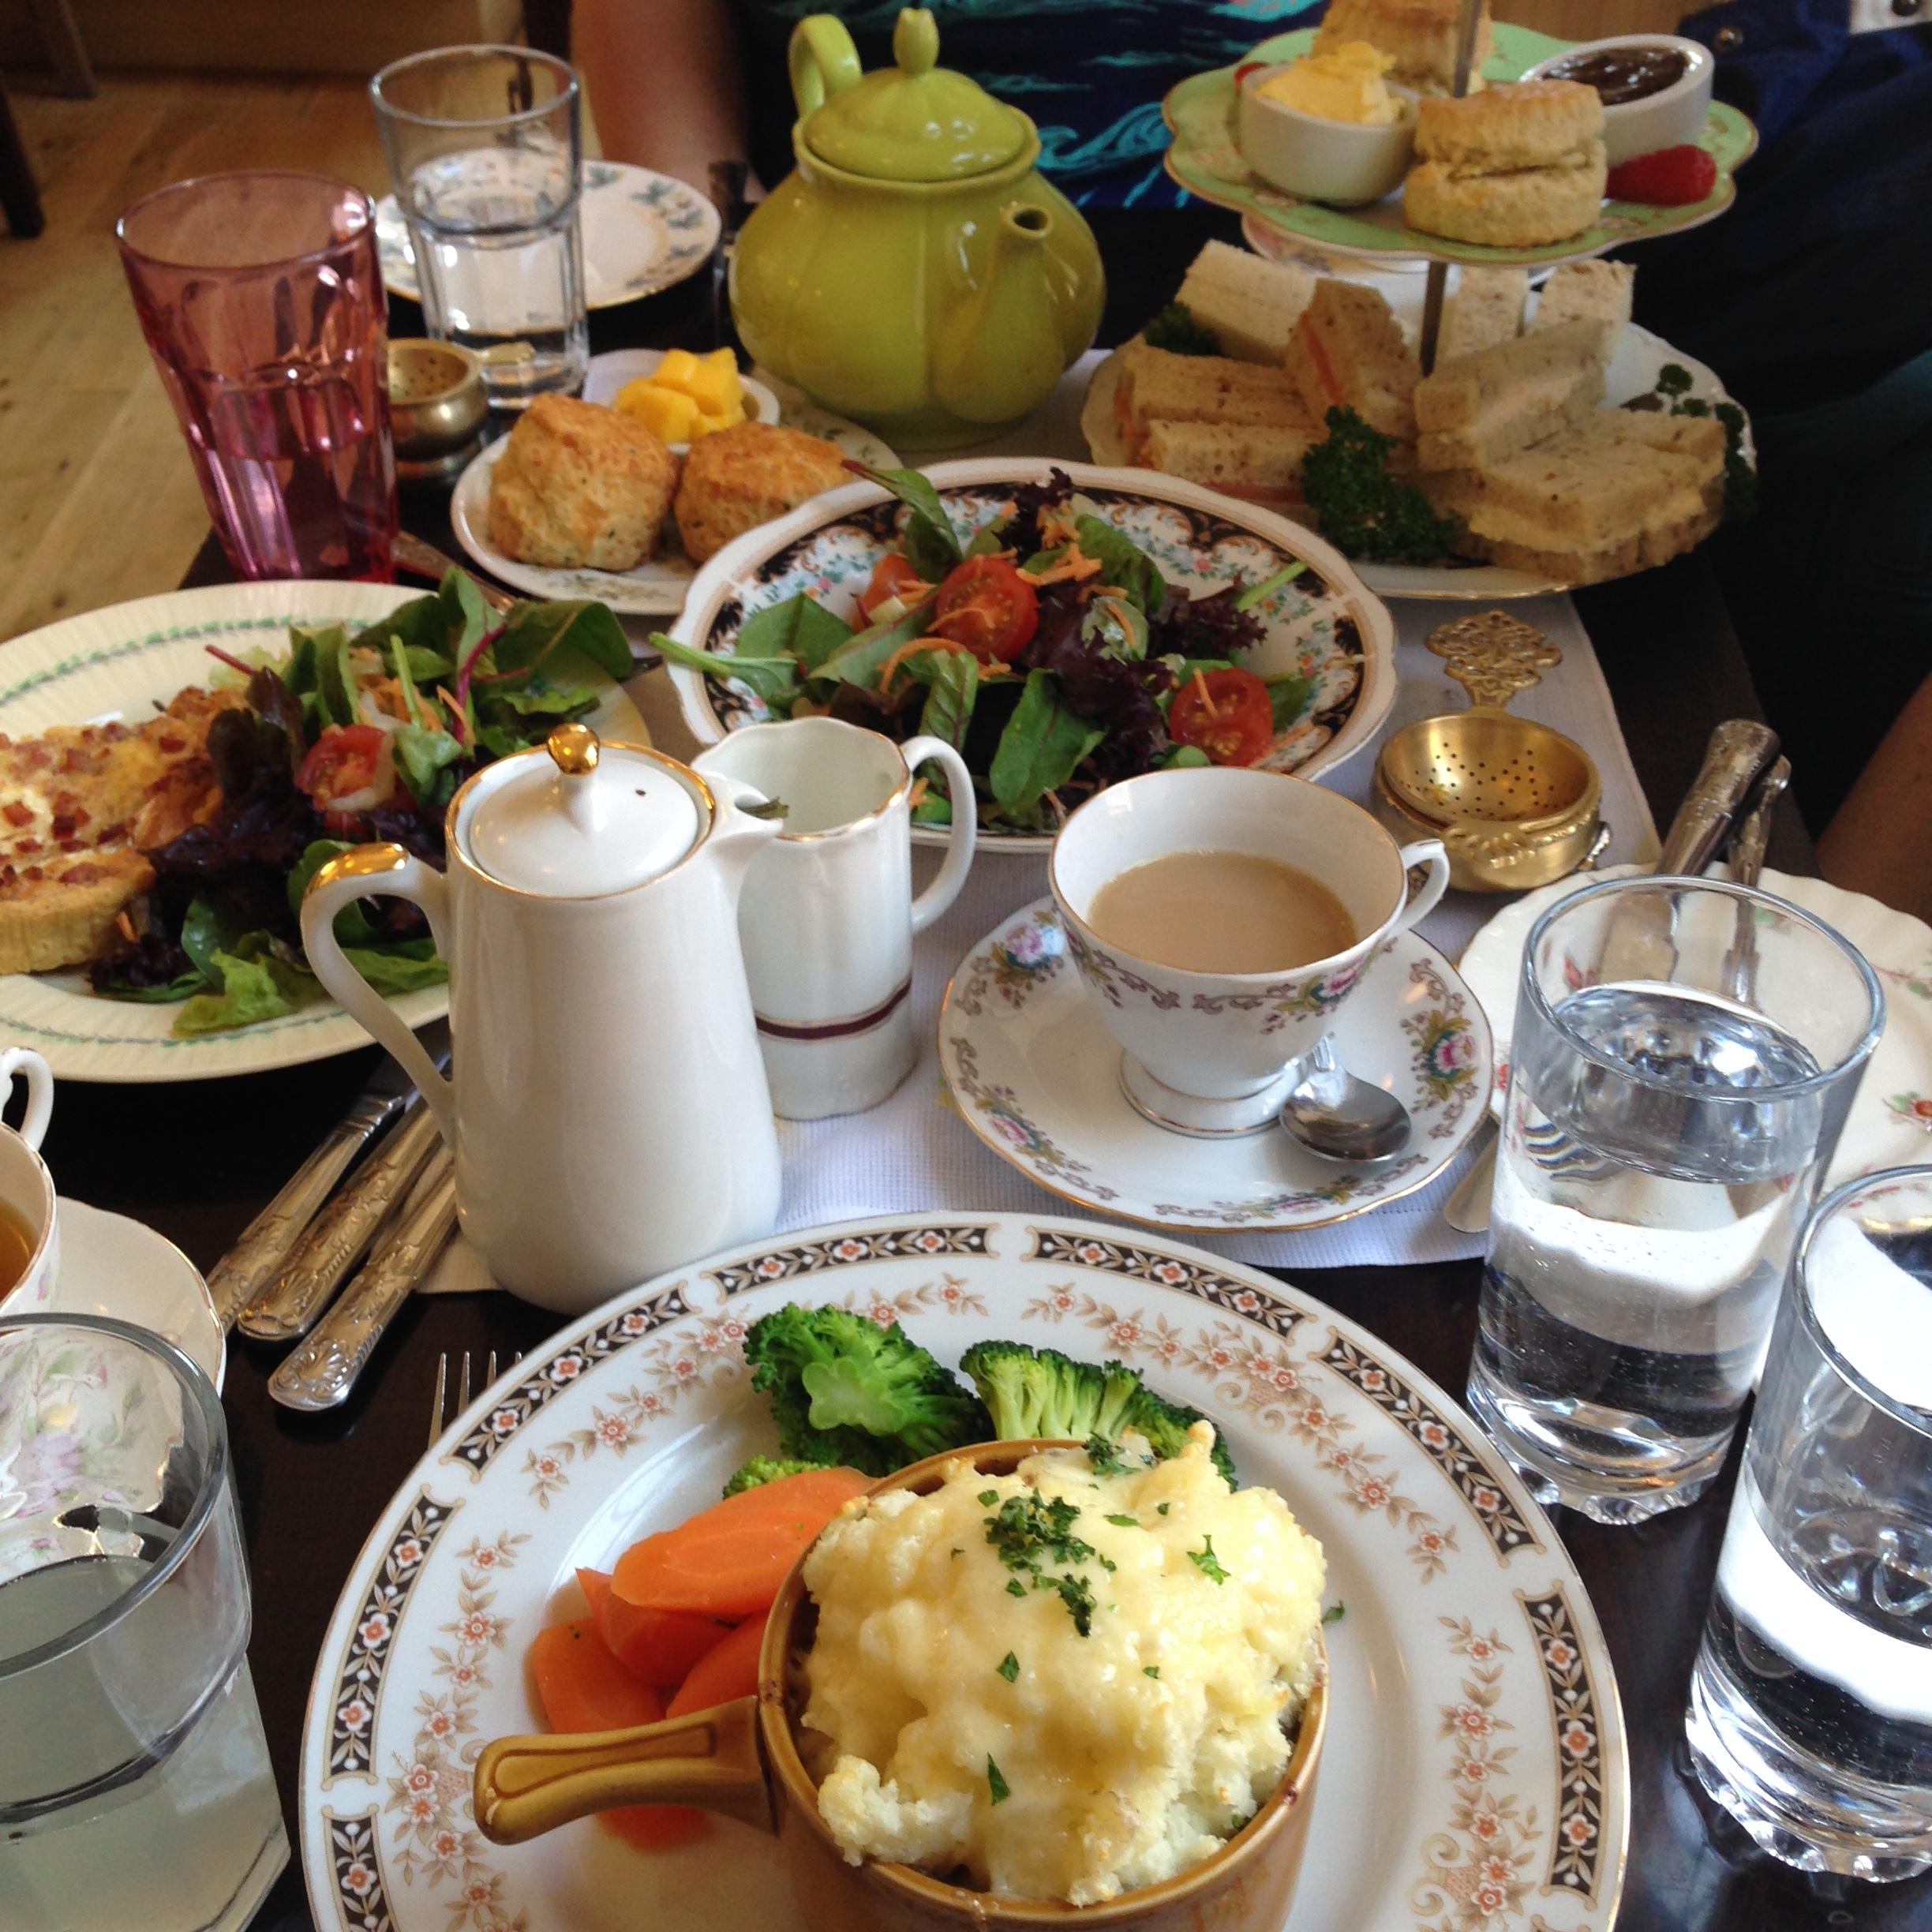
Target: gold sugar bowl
(1515, 803)
(437, 407)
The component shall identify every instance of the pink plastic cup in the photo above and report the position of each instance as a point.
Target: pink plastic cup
(262, 302)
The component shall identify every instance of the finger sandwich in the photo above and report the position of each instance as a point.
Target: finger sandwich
(1625, 491)
(1486, 309)
(1517, 166)
(1261, 466)
(1588, 291)
(1474, 411)
(1250, 304)
(1348, 353)
(1157, 386)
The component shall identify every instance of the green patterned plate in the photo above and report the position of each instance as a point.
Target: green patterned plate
(1205, 160)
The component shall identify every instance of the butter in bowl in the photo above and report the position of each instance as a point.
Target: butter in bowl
(1329, 126)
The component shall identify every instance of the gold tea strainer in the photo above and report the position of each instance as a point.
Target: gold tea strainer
(1515, 802)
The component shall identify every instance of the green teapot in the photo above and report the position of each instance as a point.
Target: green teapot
(915, 271)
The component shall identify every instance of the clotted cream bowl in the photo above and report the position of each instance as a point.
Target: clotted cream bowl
(1347, 162)
(741, 1759)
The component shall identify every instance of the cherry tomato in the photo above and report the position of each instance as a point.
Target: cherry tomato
(1228, 714)
(988, 606)
(891, 576)
(343, 762)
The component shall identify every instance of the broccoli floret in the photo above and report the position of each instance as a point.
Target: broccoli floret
(1043, 1393)
(1365, 511)
(1165, 1425)
(845, 1390)
(762, 1469)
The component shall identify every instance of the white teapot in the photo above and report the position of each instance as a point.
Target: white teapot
(607, 1107)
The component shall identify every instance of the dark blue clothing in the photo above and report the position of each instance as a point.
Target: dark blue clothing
(1091, 73)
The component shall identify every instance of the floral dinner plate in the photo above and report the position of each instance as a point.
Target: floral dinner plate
(1475, 1777)
(642, 232)
(1890, 1123)
(1036, 1074)
(1325, 625)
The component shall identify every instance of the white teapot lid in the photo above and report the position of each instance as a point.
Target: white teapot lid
(589, 819)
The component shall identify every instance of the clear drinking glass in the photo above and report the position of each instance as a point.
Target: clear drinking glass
(262, 302)
(1685, 1054)
(486, 152)
(1811, 1704)
(135, 1788)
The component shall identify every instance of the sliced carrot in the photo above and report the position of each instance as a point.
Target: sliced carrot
(731, 1671)
(582, 1686)
(729, 1560)
(661, 1646)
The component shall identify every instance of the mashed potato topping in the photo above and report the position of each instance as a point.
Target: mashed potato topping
(1070, 1683)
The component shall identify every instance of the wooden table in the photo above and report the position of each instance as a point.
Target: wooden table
(195, 1161)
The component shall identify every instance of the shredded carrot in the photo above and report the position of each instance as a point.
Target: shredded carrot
(1075, 567)
(1206, 703)
(904, 651)
(1054, 529)
(916, 797)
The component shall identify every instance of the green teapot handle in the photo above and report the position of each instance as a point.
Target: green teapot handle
(822, 59)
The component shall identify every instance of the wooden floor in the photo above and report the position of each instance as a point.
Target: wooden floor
(98, 502)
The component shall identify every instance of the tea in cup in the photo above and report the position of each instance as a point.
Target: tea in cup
(1221, 916)
(828, 914)
(29, 1227)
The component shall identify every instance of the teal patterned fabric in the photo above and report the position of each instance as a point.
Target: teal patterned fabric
(1092, 73)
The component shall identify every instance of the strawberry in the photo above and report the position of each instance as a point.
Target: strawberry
(1666, 178)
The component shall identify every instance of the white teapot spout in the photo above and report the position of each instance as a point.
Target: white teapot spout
(746, 822)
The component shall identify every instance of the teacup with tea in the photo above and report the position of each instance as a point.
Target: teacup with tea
(1222, 915)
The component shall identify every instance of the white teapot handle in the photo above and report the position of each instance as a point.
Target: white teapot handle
(360, 873)
(951, 875)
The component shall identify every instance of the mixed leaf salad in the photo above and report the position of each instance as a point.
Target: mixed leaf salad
(1045, 646)
(346, 739)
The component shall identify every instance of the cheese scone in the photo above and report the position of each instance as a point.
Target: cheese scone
(736, 479)
(580, 487)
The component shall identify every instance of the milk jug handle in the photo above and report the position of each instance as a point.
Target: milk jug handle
(358, 873)
(823, 61)
(951, 876)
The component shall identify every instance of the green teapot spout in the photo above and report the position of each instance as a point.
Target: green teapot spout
(999, 350)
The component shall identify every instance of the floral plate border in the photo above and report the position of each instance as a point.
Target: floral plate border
(1486, 1782)
(1446, 1036)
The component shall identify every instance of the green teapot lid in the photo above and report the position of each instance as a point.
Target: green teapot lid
(916, 121)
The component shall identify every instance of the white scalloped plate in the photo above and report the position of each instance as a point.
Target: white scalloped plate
(1475, 1773)
(116, 663)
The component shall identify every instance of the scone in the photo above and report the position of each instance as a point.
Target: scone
(1419, 35)
(580, 487)
(737, 479)
(1518, 167)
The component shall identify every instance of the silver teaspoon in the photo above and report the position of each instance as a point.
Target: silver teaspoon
(1340, 1118)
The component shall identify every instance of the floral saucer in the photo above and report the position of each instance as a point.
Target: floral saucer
(1890, 1123)
(1035, 1073)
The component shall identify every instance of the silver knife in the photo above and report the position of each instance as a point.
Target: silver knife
(267, 1241)
(322, 1370)
(1639, 944)
(1739, 971)
(336, 1240)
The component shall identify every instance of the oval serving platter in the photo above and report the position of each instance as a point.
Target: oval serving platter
(1327, 626)
(1475, 1773)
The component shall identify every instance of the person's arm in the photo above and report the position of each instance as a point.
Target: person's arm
(664, 82)
(1880, 840)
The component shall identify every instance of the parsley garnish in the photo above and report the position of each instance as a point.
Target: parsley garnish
(1125, 1522)
(1206, 1562)
(1016, 1588)
(988, 1498)
(997, 1784)
(1030, 1532)
(958, 1551)
(1335, 1613)
(1105, 1457)
(1008, 1667)
(1149, 1670)
(1160, 1509)
(1077, 1594)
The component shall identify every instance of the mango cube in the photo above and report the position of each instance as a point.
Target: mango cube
(712, 388)
(668, 416)
(676, 370)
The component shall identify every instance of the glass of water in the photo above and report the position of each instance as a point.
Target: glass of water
(135, 1787)
(1685, 1054)
(486, 152)
(1811, 1704)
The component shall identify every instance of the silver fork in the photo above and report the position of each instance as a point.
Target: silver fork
(462, 1388)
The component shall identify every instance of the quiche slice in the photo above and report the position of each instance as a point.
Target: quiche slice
(79, 805)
